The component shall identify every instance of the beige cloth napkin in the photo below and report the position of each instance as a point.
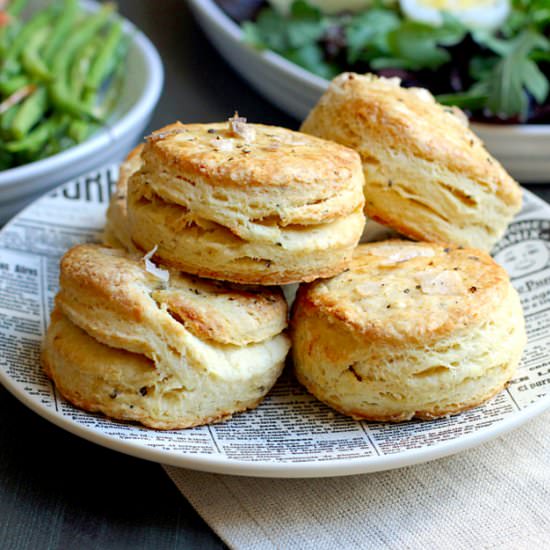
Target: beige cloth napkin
(495, 496)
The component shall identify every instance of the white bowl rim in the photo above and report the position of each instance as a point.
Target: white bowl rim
(225, 23)
(147, 100)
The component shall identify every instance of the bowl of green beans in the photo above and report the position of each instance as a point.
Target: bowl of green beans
(78, 85)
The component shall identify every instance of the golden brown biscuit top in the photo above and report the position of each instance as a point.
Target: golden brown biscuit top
(227, 314)
(251, 154)
(411, 120)
(401, 290)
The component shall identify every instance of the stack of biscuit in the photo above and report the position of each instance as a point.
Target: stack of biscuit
(177, 320)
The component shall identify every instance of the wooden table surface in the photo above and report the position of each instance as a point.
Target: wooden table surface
(58, 491)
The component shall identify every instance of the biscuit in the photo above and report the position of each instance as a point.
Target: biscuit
(411, 330)
(169, 354)
(247, 203)
(116, 232)
(426, 173)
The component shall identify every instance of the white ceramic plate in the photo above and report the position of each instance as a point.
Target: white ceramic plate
(140, 92)
(523, 149)
(291, 434)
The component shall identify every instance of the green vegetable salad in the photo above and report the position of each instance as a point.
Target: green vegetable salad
(490, 57)
(60, 72)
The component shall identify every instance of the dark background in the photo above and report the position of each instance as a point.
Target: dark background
(56, 490)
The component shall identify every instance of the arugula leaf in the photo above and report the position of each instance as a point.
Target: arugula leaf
(535, 81)
(473, 99)
(268, 32)
(417, 46)
(303, 10)
(514, 73)
(370, 30)
(311, 57)
(274, 31)
(306, 25)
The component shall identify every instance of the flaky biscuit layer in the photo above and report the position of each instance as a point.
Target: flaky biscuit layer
(127, 386)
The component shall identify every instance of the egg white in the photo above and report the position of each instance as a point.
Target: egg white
(480, 14)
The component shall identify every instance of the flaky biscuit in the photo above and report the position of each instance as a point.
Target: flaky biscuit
(213, 349)
(426, 173)
(270, 206)
(411, 330)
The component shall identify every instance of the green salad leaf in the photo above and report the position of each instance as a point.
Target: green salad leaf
(296, 37)
(369, 31)
(516, 72)
(418, 46)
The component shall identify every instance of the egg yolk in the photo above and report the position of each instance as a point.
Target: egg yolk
(455, 4)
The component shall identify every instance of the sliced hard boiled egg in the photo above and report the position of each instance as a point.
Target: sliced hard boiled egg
(474, 14)
(326, 6)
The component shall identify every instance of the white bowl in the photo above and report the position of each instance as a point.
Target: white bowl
(140, 92)
(523, 149)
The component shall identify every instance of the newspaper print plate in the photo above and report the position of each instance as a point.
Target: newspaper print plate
(291, 434)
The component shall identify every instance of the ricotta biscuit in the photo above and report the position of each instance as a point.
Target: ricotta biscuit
(410, 330)
(137, 342)
(247, 203)
(427, 175)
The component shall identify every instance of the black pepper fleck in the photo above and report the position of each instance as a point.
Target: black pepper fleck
(211, 131)
(143, 390)
(473, 289)
(355, 373)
